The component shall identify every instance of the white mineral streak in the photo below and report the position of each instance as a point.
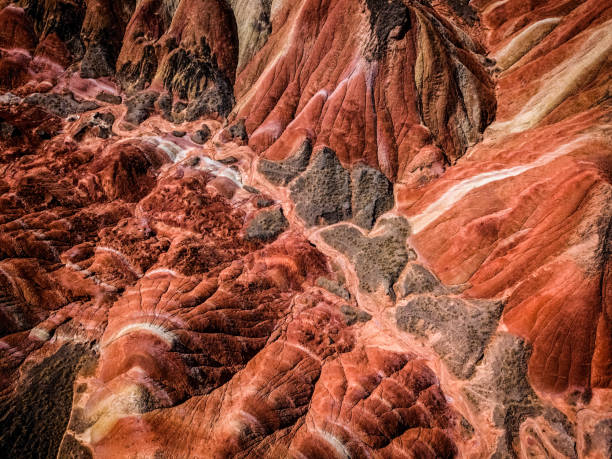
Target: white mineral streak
(524, 41)
(161, 271)
(334, 442)
(563, 81)
(176, 153)
(39, 334)
(156, 330)
(455, 193)
(121, 257)
(221, 170)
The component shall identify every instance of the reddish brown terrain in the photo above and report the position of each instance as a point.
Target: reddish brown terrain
(306, 229)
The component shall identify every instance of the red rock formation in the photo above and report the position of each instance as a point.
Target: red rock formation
(191, 50)
(323, 228)
(360, 81)
(548, 164)
(16, 29)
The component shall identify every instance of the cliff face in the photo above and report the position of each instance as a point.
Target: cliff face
(312, 228)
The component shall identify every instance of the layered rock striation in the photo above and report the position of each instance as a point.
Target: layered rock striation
(320, 228)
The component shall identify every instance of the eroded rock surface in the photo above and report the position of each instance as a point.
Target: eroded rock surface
(378, 259)
(267, 224)
(372, 195)
(466, 327)
(318, 228)
(323, 193)
(283, 172)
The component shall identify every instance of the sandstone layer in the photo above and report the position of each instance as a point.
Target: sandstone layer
(305, 229)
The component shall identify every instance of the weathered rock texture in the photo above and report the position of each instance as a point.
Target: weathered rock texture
(377, 82)
(311, 228)
(379, 259)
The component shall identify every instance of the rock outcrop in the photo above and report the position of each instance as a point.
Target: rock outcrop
(362, 79)
(312, 228)
(191, 51)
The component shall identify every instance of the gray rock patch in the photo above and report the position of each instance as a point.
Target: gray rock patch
(372, 195)
(599, 439)
(109, 98)
(267, 225)
(140, 106)
(501, 379)
(61, 105)
(10, 99)
(333, 287)
(282, 172)
(8, 131)
(325, 192)
(96, 62)
(218, 100)
(238, 131)
(417, 279)
(251, 189)
(201, 135)
(264, 202)
(353, 315)
(228, 160)
(322, 194)
(378, 260)
(100, 125)
(457, 329)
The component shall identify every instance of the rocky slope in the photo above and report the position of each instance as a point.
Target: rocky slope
(312, 228)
